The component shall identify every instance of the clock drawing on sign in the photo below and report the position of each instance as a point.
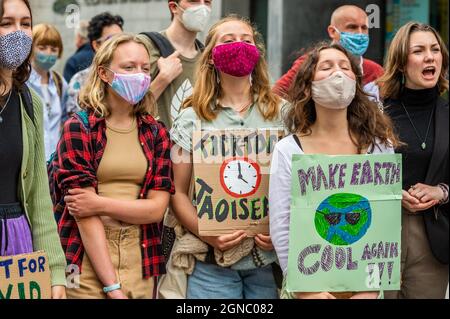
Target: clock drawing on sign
(240, 177)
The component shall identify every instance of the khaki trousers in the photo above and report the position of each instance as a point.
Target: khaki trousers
(423, 277)
(124, 248)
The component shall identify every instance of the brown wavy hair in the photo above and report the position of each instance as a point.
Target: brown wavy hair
(22, 73)
(367, 124)
(397, 58)
(206, 89)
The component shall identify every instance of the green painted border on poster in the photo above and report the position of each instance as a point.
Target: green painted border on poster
(345, 225)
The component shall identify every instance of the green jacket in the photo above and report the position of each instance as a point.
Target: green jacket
(34, 192)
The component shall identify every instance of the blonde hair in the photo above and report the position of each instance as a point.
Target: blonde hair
(206, 89)
(397, 58)
(93, 93)
(46, 34)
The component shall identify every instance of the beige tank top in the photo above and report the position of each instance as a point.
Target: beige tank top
(123, 166)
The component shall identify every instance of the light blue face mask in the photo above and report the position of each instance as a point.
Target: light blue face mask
(45, 61)
(356, 43)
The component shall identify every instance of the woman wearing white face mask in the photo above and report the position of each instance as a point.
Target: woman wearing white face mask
(113, 166)
(174, 75)
(330, 115)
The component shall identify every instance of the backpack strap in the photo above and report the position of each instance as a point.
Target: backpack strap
(59, 83)
(83, 116)
(27, 99)
(162, 43)
(164, 46)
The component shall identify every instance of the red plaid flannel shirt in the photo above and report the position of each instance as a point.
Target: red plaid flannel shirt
(77, 166)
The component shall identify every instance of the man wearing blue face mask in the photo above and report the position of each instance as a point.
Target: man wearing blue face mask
(50, 85)
(349, 27)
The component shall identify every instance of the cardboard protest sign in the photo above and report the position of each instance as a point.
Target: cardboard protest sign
(25, 277)
(345, 226)
(231, 170)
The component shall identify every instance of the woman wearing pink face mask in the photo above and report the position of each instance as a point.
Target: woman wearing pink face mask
(114, 171)
(330, 115)
(232, 92)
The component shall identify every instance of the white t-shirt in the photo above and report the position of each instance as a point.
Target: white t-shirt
(280, 193)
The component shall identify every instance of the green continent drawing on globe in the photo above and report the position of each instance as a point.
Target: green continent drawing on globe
(343, 219)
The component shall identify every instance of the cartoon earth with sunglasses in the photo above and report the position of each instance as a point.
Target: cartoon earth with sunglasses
(343, 219)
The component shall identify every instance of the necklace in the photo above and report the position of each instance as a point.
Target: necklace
(424, 142)
(4, 107)
(242, 108)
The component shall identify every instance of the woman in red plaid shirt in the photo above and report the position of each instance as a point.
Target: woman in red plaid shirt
(113, 167)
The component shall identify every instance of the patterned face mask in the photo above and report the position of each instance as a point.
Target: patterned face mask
(131, 87)
(14, 49)
(237, 59)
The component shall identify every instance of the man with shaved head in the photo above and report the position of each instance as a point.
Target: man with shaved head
(349, 26)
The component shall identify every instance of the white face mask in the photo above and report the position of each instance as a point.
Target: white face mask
(195, 18)
(335, 92)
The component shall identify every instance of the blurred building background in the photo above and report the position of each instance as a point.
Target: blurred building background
(287, 25)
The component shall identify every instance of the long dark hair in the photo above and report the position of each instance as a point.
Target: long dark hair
(367, 123)
(22, 73)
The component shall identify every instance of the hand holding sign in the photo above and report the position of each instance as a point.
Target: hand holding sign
(264, 242)
(314, 295)
(226, 242)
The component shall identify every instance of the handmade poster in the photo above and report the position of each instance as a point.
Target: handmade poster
(231, 169)
(25, 277)
(345, 224)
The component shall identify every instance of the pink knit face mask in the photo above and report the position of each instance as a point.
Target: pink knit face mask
(237, 59)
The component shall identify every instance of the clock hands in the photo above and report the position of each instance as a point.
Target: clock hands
(240, 170)
(240, 173)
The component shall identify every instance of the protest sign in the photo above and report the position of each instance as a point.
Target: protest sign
(345, 226)
(231, 170)
(25, 277)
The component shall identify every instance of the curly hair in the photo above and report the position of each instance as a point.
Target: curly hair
(22, 73)
(367, 124)
(101, 21)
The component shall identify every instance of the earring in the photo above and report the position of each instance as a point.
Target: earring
(251, 79)
(403, 79)
(217, 76)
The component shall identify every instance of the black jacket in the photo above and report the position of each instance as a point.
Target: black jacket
(436, 220)
(81, 60)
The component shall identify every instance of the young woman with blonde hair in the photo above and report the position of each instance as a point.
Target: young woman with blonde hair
(416, 77)
(113, 166)
(330, 115)
(232, 91)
